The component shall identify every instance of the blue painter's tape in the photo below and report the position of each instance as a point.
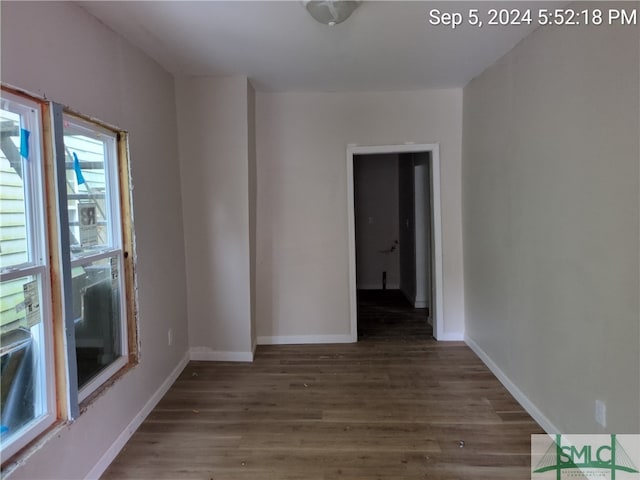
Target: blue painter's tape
(24, 143)
(76, 167)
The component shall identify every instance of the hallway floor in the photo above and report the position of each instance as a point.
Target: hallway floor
(385, 315)
(388, 407)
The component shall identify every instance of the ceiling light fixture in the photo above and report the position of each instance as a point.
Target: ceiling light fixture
(331, 12)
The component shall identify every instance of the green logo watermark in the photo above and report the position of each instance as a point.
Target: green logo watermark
(559, 457)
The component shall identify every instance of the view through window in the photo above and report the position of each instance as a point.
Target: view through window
(25, 324)
(80, 280)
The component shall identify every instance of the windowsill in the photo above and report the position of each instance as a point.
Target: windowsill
(102, 389)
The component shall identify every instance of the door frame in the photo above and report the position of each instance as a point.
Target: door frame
(436, 224)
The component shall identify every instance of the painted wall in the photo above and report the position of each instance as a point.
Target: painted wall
(423, 221)
(407, 226)
(75, 60)
(302, 239)
(550, 189)
(376, 220)
(215, 169)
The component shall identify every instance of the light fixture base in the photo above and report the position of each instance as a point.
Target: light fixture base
(331, 12)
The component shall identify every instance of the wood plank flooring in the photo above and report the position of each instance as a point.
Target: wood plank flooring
(378, 409)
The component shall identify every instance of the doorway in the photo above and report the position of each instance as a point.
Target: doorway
(406, 259)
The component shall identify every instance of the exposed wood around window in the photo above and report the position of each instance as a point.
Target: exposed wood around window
(128, 245)
(60, 349)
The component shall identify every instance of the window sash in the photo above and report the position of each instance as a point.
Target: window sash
(44, 382)
(36, 266)
(32, 177)
(77, 126)
(63, 123)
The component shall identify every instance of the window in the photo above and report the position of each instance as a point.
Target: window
(95, 255)
(83, 225)
(28, 401)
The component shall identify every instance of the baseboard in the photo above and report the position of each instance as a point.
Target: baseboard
(304, 339)
(522, 399)
(451, 337)
(205, 354)
(111, 453)
(420, 304)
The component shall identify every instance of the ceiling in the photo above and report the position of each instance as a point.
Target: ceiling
(383, 46)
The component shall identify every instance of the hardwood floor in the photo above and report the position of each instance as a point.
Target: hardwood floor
(378, 409)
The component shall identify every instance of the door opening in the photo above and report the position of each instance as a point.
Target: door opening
(406, 255)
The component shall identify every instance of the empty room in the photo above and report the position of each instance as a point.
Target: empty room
(320, 240)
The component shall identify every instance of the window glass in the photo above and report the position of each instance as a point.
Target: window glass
(96, 295)
(21, 343)
(87, 154)
(27, 402)
(13, 218)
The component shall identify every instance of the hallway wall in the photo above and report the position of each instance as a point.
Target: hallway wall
(376, 220)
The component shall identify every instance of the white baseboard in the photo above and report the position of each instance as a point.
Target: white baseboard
(420, 304)
(522, 399)
(451, 337)
(304, 339)
(111, 453)
(205, 354)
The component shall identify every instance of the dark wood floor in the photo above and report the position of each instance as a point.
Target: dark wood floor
(384, 408)
(387, 315)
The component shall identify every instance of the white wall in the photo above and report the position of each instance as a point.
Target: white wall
(376, 207)
(215, 170)
(302, 238)
(58, 50)
(551, 242)
(422, 198)
(407, 226)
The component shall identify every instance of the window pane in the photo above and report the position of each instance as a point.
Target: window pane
(96, 296)
(13, 219)
(27, 402)
(86, 161)
(22, 355)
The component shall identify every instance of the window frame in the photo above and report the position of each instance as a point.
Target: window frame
(115, 247)
(65, 401)
(37, 265)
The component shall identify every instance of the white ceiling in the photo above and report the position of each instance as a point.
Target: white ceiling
(383, 46)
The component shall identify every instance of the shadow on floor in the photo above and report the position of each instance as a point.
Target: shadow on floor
(388, 315)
